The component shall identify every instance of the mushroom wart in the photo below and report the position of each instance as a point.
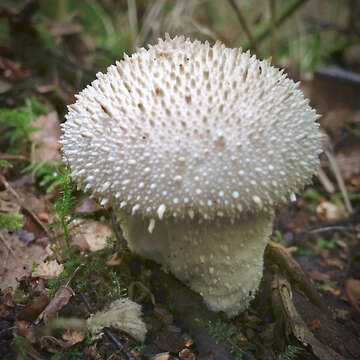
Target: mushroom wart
(193, 145)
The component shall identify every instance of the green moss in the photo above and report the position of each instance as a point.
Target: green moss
(93, 267)
(225, 334)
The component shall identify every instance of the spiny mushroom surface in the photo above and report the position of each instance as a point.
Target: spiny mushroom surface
(205, 139)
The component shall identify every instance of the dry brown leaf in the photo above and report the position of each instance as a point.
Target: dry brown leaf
(115, 259)
(348, 160)
(186, 354)
(12, 69)
(73, 337)
(352, 291)
(8, 203)
(90, 235)
(336, 262)
(90, 353)
(61, 298)
(319, 276)
(15, 267)
(26, 331)
(327, 211)
(7, 306)
(48, 269)
(161, 356)
(51, 344)
(46, 139)
(32, 310)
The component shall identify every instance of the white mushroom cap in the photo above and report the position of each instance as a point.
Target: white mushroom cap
(185, 128)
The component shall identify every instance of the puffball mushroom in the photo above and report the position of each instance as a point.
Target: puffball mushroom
(193, 145)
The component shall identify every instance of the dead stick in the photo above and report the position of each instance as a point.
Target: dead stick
(245, 26)
(263, 30)
(272, 4)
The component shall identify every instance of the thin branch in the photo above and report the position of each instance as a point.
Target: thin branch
(133, 21)
(253, 42)
(325, 181)
(263, 30)
(4, 156)
(272, 5)
(7, 245)
(335, 168)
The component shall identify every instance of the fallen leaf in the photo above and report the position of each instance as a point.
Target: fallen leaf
(15, 267)
(73, 337)
(90, 353)
(46, 139)
(352, 291)
(48, 269)
(87, 206)
(90, 235)
(348, 160)
(26, 331)
(5, 86)
(170, 341)
(336, 262)
(115, 259)
(61, 298)
(12, 69)
(32, 310)
(51, 344)
(7, 307)
(161, 356)
(319, 276)
(315, 324)
(186, 354)
(8, 203)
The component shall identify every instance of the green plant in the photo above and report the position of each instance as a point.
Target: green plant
(11, 222)
(291, 353)
(60, 179)
(94, 264)
(48, 176)
(17, 123)
(6, 164)
(327, 244)
(225, 334)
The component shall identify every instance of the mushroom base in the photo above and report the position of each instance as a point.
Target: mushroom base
(220, 260)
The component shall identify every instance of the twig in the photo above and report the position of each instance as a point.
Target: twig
(108, 332)
(245, 26)
(11, 157)
(339, 225)
(21, 203)
(263, 30)
(73, 275)
(338, 73)
(325, 181)
(272, 5)
(133, 22)
(2, 237)
(335, 168)
(278, 254)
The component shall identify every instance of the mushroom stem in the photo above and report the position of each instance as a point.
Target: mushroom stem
(221, 260)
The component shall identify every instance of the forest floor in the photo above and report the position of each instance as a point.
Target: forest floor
(63, 256)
